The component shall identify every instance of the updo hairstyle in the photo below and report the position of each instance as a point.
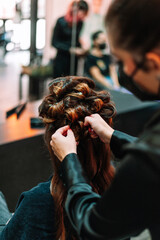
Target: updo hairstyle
(71, 99)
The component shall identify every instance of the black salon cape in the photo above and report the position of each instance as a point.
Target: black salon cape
(132, 203)
(34, 216)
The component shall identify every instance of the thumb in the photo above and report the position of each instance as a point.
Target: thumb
(87, 121)
(70, 133)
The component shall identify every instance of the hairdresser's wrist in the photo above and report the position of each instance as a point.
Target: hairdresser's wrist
(107, 135)
(71, 171)
(65, 155)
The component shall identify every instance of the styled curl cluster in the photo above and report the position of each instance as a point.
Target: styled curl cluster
(71, 99)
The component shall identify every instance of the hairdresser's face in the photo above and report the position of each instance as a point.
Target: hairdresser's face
(146, 80)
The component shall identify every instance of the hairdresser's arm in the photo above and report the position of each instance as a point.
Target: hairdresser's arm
(126, 207)
(107, 218)
(116, 139)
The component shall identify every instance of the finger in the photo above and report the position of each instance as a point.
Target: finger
(56, 135)
(52, 145)
(70, 134)
(95, 115)
(62, 130)
(87, 121)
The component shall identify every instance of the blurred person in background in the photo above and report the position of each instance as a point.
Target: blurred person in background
(98, 64)
(66, 33)
(93, 23)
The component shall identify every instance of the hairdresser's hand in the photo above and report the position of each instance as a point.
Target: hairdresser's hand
(63, 142)
(100, 127)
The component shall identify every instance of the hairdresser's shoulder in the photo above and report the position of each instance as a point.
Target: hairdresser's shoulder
(147, 147)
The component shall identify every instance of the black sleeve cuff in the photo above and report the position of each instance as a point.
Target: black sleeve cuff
(71, 171)
(118, 140)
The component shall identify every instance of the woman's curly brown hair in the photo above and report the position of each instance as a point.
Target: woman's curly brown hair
(71, 99)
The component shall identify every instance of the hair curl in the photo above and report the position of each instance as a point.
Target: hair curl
(71, 99)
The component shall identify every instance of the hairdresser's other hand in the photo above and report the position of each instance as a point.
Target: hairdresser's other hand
(63, 142)
(100, 127)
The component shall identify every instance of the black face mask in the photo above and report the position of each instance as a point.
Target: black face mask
(102, 46)
(128, 83)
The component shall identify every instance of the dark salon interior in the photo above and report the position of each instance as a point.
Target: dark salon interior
(36, 46)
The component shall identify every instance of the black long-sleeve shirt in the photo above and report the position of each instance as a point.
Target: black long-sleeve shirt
(62, 35)
(62, 41)
(132, 203)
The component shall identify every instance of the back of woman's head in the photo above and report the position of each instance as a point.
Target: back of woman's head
(134, 24)
(71, 99)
